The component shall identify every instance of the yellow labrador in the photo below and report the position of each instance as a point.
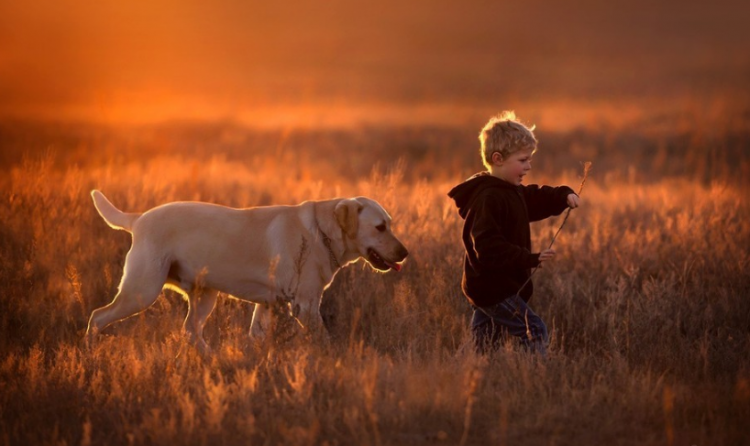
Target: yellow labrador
(264, 255)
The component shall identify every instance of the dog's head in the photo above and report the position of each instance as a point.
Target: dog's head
(368, 226)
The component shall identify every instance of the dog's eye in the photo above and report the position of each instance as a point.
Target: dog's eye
(380, 227)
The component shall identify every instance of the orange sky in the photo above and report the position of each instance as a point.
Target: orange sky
(113, 60)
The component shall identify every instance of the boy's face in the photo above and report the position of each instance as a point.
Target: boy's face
(513, 168)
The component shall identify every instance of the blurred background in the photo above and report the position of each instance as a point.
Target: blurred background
(246, 103)
(342, 63)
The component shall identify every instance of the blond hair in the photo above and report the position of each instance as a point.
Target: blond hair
(506, 135)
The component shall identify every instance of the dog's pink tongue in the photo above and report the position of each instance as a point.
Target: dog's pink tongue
(396, 266)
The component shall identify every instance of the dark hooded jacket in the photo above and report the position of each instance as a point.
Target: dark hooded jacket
(497, 236)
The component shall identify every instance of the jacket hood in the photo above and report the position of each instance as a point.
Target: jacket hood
(464, 193)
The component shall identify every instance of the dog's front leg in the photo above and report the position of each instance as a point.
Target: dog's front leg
(307, 311)
(268, 319)
(261, 323)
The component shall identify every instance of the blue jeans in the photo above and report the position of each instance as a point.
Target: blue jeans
(510, 317)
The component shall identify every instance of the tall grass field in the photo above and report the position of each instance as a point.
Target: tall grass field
(647, 301)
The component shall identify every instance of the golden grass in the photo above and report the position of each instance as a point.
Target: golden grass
(647, 302)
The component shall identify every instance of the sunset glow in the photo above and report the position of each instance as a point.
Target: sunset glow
(112, 61)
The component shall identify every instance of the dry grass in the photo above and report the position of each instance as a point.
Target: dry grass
(647, 302)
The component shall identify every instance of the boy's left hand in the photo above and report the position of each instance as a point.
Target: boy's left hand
(574, 201)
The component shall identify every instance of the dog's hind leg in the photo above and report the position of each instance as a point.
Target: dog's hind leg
(141, 284)
(201, 303)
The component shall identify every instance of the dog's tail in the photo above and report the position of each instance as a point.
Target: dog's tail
(114, 217)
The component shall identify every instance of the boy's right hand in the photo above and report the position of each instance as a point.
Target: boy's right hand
(547, 254)
(574, 201)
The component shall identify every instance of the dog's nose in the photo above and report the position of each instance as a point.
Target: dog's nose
(402, 252)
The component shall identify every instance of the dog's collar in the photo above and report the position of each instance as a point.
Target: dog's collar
(335, 265)
(327, 242)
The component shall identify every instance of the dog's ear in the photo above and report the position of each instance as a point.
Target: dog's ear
(347, 215)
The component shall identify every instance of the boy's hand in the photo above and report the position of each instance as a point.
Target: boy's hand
(574, 201)
(547, 254)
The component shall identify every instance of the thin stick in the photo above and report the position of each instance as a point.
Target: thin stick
(586, 168)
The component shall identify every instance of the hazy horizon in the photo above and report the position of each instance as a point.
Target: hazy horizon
(114, 61)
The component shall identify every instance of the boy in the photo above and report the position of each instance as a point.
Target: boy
(497, 210)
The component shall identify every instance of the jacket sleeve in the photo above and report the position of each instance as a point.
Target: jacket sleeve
(545, 201)
(492, 248)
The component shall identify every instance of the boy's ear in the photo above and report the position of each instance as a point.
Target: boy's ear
(497, 157)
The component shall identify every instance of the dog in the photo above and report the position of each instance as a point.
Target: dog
(267, 255)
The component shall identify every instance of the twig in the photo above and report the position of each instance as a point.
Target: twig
(586, 168)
